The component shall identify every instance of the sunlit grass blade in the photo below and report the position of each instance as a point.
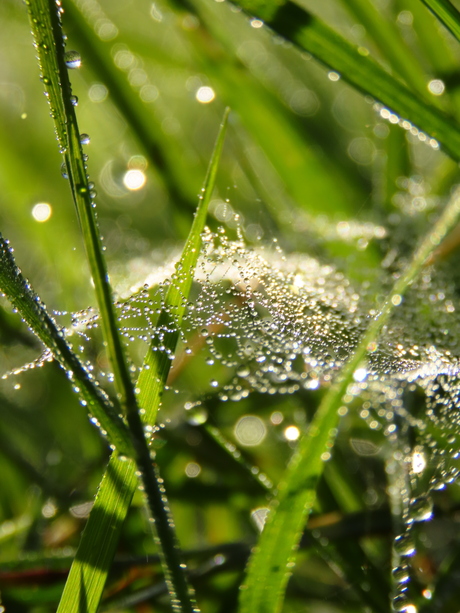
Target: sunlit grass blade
(447, 14)
(312, 35)
(21, 295)
(271, 563)
(154, 374)
(49, 42)
(150, 384)
(45, 19)
(87, 578)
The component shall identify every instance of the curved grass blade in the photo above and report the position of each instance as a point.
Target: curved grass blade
(49, 42)
(21, 295)
(311, 34)
(271, 563)
(45, 20)
(157, 364)
(446, 13)
(89, 570)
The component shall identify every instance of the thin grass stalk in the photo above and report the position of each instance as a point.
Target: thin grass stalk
(45, 18)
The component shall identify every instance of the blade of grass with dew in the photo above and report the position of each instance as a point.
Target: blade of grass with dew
(45, 19)
(312, 35)
(89, 569)
(157, 363)
(271, 563)
(447, 14)
(340, 553)
(21, 295)
(46, 27)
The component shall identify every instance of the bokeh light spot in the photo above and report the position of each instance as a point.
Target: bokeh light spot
(134, 179)
(250, 430)
(42, 211)
(205, 94)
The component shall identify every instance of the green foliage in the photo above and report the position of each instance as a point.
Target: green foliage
(322, 295)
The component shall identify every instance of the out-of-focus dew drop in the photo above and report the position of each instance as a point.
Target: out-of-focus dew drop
(291, 433)
(250, 431)
(436, 87)
(192, 470)
(41, 211)
(205, 94)
(134, 179)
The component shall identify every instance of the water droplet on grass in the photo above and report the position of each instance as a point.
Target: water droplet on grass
(72, 59)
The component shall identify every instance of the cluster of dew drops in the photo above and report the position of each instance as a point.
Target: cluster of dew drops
(277, 324)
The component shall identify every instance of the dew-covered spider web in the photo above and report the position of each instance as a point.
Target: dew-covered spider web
(262, 321)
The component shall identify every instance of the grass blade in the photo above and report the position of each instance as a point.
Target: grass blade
(19, 292)
(87, 577)
(446, 13)
(150, 383)
(309, 33)
(152, 378)
(177, 176)
(49, 42)
(270, 565)
(46, 27)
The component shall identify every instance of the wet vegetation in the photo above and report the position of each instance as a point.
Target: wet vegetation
(229, 331)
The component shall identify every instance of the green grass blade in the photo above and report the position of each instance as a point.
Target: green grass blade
(19, 292)
(309, 33)
(46, 26)
(270, 565)
(150, 383)
(447, 15)
(87, 578)
(152, 378)
(49, 42)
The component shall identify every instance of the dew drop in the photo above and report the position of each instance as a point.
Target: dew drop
(404, 545)
(421, 509)
(72, 59)
(85, 139)
(401, 574)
